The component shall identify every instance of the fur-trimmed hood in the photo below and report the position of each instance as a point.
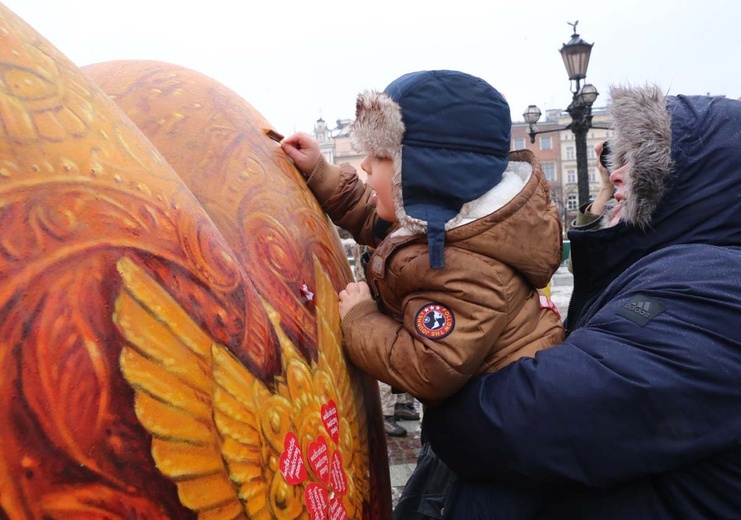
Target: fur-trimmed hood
(642, 138)
(684, 154)
(683, 183)
(673, 145)
(448, 134)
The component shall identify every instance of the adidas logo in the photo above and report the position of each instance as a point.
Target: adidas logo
(641, 309)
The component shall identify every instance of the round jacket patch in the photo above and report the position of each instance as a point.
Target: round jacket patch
(434, 321)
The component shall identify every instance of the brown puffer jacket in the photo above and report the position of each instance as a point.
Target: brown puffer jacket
(434, 329)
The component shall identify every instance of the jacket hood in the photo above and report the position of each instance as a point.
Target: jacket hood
(684, 179)
(448, 134)
(683, 184)
(515, 222)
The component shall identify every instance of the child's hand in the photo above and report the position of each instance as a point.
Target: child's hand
(303, 149)
(352, 295)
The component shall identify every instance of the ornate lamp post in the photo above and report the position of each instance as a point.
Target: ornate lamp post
(575, 56)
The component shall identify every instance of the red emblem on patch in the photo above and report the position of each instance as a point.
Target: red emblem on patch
(434, 321)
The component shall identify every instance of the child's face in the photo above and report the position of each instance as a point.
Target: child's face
(380, 174)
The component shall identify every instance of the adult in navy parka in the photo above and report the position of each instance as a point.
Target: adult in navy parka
(637, 415)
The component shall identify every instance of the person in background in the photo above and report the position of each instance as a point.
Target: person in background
(405, 408)
(397, 406)
(637, 414)
(462, 231)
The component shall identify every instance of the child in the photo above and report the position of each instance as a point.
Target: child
(463, 230)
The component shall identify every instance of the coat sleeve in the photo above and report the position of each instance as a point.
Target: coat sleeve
(616, 401)
(346, 200)
(431, 368)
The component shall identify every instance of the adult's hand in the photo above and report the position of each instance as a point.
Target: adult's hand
(303, 149)
(603, 173)
(606, 191)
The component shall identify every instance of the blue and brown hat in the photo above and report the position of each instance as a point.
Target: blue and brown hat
(448, 134)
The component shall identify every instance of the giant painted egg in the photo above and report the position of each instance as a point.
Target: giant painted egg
(169, 338)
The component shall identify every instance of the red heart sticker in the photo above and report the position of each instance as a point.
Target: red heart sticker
(331, 420)
(337, 509)
(339, 481)
(315, 498)
(319, 459)
(291, 461)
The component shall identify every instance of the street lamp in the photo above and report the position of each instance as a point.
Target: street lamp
(575, 56)
(531, 115)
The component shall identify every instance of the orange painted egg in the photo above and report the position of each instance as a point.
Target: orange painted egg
(168, 313)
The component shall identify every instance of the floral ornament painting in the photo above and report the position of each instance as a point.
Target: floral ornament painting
(160, 355)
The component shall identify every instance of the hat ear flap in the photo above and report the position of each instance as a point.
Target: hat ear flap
(378, 128)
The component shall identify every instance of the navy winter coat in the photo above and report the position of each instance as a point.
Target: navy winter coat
(637, 415)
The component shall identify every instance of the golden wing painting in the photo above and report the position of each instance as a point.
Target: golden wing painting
(170, 343)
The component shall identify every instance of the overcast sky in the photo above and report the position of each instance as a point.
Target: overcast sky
(296, 61)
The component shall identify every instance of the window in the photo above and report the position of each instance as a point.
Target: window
(592, 175)
(519, 144)
(591, 153)
(570, 156)
(545, 143)
(571, 203)
(549, 169)
(571, 176)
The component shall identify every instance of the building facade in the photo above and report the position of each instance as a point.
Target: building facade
(336, 144)
(546, 147)
(566, 195)
(326, 143)
(555, 148)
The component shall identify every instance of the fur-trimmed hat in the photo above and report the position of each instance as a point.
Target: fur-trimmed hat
(448, 134)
